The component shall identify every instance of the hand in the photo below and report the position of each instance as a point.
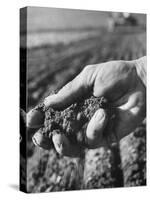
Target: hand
(119, 82)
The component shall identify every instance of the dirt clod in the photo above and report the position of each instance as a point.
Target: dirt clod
(71, 121)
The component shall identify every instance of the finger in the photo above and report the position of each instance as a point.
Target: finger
(64, 147)
(35, 119)
(42, 141)
(77, 89)
(131, 114)
(95, 128)
(127, 120)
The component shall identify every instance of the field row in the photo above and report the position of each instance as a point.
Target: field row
(48, 71)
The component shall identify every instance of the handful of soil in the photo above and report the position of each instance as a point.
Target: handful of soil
(72, 122)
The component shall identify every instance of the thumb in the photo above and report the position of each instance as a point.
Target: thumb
(95, 129)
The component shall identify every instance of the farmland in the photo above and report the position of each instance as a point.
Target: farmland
(50, 67)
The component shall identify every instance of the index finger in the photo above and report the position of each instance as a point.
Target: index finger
(75, 90)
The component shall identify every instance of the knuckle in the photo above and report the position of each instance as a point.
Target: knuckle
(87, 68)
(88, 74)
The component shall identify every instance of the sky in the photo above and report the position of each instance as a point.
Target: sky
(54, 18)
(44, 19)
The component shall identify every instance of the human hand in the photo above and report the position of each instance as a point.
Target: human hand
(119, 82)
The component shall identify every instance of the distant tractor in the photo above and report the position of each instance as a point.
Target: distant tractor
(117, 19)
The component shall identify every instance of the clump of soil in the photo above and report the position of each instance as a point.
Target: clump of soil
(73, 120)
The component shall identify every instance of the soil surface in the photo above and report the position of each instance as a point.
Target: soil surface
(51, 67)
